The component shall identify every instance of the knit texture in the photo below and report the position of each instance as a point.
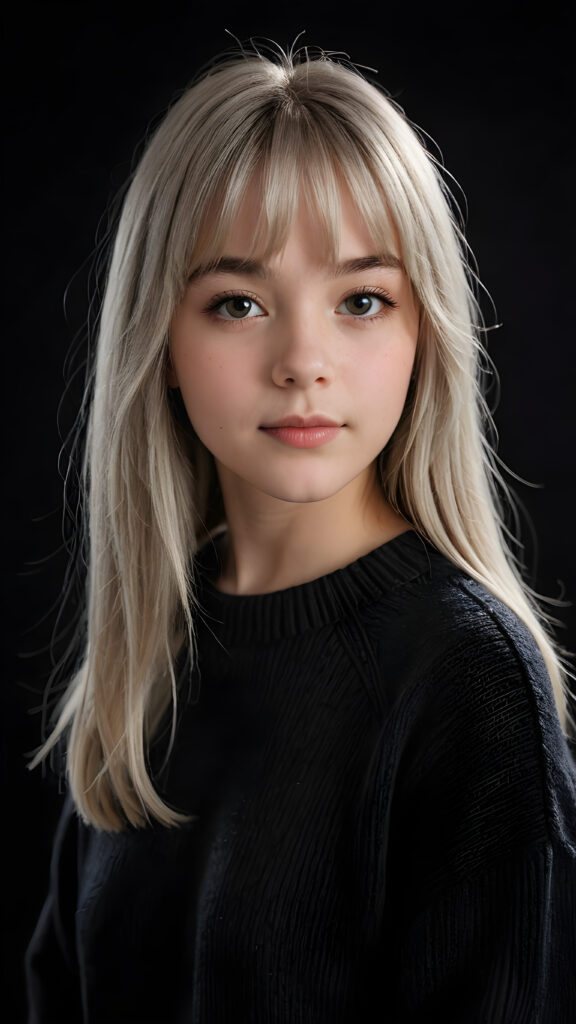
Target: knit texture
(385, 822)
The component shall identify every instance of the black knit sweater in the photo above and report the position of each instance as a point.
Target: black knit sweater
(385, 823)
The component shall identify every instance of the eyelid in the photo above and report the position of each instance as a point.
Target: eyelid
(371, 289)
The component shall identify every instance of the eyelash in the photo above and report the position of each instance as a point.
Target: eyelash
(370, 291)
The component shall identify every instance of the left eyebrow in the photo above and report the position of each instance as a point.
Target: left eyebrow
(254, 268)
(383, 261)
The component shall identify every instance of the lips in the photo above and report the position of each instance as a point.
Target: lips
(303, 422)
(303, 431)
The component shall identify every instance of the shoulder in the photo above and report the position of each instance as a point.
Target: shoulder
(470, 709)
(443, 621)
(443, 641)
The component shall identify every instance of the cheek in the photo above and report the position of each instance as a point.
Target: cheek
(211, 386)
(384, 382)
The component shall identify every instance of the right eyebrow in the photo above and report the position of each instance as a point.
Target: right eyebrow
(230, 265)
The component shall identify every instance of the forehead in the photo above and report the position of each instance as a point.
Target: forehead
(328, 234)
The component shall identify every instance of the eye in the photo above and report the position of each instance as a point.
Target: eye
(365, 304)
(236, 307)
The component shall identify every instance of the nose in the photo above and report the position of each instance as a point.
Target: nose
(301, 356)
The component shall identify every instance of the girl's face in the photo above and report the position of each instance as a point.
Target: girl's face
(294, 372)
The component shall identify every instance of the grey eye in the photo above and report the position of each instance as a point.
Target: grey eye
(360, 304)
(239, 307)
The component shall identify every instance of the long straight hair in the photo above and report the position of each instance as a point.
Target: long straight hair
(304, 126)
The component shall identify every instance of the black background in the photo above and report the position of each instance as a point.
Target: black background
(82, 84)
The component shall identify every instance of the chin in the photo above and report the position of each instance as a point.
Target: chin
(305, 491)
(303, 499)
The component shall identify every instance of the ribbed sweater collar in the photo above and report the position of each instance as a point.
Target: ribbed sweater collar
(284, 613)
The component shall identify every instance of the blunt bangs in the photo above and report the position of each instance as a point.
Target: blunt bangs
(295, 153)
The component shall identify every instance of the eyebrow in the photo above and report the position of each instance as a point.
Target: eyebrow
(254, 268)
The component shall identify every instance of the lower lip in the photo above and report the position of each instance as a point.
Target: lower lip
(302, 437)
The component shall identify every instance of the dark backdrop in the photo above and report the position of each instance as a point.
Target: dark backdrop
(83, 83)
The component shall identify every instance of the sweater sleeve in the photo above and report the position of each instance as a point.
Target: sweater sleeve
(483, 919)
(51, 971)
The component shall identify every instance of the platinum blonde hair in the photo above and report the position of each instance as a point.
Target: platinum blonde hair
(304, 126)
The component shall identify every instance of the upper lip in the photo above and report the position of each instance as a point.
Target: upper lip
(315, 420)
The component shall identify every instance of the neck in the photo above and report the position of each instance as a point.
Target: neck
(273, 544)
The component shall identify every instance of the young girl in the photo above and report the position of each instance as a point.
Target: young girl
(316, 763)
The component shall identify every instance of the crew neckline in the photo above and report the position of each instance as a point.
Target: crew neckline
(309, 605)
